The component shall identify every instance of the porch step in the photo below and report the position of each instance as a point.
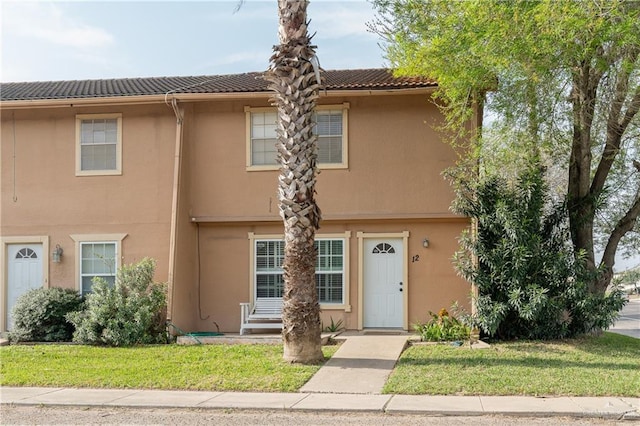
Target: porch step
(247, 339)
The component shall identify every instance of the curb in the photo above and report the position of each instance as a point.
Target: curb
(610, 408)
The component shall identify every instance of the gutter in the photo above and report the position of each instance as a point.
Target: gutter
(193, 97)
(173, 237)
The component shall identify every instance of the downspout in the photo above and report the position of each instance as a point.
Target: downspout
(173, 238)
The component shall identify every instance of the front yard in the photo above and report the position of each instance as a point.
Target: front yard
(203, 367)
(591, 366)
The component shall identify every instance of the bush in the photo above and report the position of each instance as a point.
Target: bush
(40, 315)
(442, 327)
(131, 312)
(530, 283)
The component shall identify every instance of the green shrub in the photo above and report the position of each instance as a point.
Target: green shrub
(40, 315)
(131, 312)
(530, 283)
(442, 327)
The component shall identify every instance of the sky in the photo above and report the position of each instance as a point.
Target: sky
(88, 39)
(75, 40)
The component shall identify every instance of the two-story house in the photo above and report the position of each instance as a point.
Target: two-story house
(99, 173)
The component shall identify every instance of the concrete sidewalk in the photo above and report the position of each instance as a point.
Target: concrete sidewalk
(606, 407)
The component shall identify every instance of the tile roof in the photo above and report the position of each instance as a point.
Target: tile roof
(363, 79)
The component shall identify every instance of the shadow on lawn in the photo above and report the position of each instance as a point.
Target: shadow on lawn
(588, 353)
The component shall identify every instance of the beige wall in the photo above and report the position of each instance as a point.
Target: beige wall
(395, 162)
(51, 200)
(393, 183)
(225, 269)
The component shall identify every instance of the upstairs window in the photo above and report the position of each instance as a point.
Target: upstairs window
(330, 127)
(330, 136)
(99, 144)
(263, 138)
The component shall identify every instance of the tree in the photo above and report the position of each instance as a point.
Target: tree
(293, 76)
(562, 77)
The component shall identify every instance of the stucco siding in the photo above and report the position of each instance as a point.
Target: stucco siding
(225, 269)
(41, 194)
(391, 185)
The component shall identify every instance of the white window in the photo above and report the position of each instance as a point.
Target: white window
(268, 267)
(97, 260)
(330, 269)
(97, 255)
(263, 138)
(99, 144)
(331, 129)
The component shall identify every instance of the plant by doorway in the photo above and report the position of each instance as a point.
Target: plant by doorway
(442, 327)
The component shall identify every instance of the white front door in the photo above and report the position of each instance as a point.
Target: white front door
(383, 287)
(24, 269)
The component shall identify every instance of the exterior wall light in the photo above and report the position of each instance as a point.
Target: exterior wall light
(425, 243)
(56, 254)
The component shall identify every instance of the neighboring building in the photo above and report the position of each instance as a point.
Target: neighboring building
(183, 170)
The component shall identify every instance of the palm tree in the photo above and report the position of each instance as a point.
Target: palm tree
(293, 76)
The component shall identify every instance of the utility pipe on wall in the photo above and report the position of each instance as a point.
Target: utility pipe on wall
(177, 162)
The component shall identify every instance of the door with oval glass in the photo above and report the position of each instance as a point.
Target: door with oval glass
(24, 273)
(383, 287)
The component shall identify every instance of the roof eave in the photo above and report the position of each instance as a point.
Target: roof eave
(195, 97)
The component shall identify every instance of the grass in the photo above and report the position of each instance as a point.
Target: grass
(591, 366)
(203, 367)
(607, 365)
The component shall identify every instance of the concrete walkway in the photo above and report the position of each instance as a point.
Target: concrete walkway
(360, 366)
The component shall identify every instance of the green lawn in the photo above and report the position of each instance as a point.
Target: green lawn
(202, 367)
(592, 366)
(605, 365)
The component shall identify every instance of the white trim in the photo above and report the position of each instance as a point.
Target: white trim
(4, 267)
(345, 236)
(95, 238)
(344, 107)
(118, 169)
(405, 272)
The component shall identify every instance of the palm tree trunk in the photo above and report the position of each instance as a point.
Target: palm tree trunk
(291, 76)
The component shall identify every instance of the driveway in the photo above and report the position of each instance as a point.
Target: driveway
(629, 321)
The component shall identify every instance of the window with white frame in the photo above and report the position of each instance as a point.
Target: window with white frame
(99, 144)
(97, 259)
(269, 255)
(329, 130)
(330, 269)
(330, 127)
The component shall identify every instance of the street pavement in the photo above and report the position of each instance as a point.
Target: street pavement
(629, 321)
